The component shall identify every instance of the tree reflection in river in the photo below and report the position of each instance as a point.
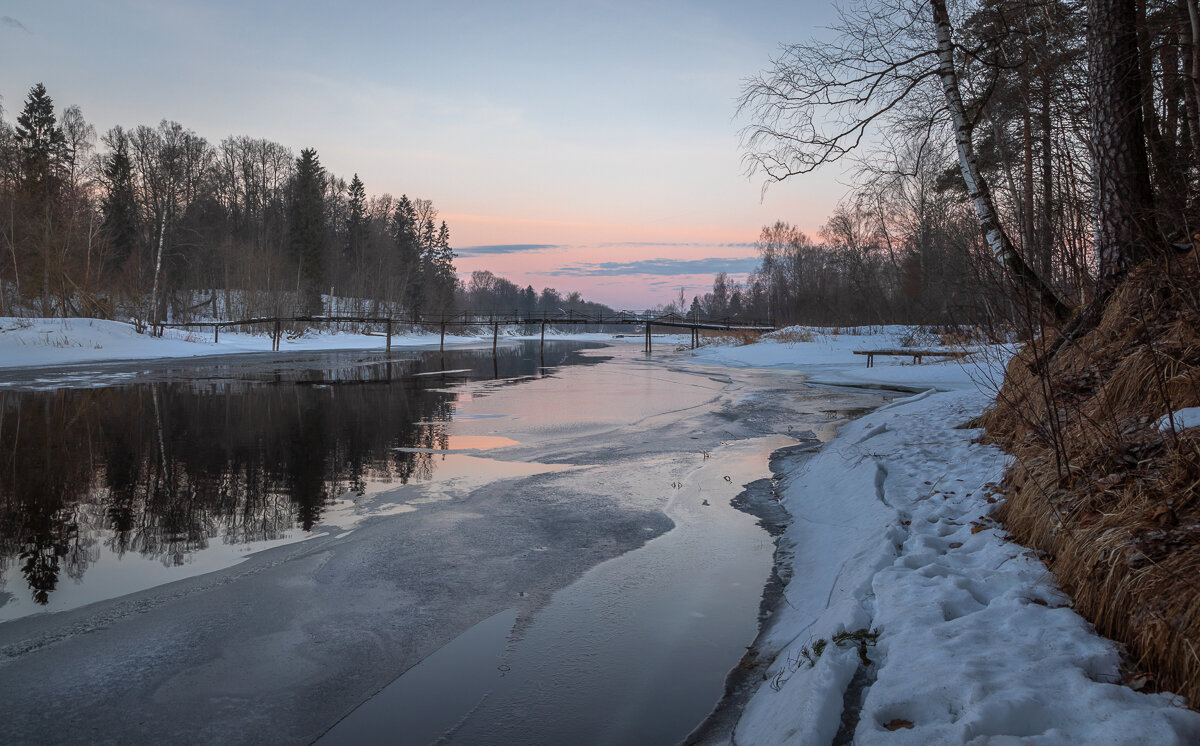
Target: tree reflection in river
(162, 468)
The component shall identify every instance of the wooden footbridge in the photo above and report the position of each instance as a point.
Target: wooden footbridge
(644, 319)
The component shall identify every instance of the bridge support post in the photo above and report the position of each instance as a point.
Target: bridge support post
(442, 346)
(389, 336)
(216, 333)
(276, 337)
(648, 349)
(543, 347)
(495, 336)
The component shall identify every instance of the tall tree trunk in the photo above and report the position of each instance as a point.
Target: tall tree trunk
(1125, 230)
(1192, 91)
(1168, 188)
(1046, 233)
(1175, 139)
(152, 315)
(46, 247)
(981, 196)
(1028, 242)
(12, 249)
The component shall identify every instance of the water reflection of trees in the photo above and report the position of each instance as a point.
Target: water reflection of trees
(163, 469)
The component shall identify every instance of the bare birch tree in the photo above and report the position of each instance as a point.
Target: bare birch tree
(821, 98)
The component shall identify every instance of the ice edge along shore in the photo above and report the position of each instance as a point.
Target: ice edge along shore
(906, 616)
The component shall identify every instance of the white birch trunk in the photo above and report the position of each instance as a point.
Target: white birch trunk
(162, 234)
(977, 188)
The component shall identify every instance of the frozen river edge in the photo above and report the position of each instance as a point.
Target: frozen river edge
(316, 622)
(905, 615)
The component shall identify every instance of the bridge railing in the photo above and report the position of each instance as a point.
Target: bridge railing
(483, 318)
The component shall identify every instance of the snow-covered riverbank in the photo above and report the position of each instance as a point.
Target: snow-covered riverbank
(37, 342)
(907, 617)
(590, 502)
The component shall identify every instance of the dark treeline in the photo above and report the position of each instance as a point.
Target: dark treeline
(487, 293)
(992, 117)
(158, 223)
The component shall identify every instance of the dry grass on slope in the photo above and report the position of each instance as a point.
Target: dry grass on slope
(1113, 500)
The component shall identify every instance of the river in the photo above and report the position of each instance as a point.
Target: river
(532, 548)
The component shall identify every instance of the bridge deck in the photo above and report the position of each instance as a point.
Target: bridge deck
(624, 318)
(471, 319)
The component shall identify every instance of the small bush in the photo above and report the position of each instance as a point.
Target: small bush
(731, 338)
(793, 334)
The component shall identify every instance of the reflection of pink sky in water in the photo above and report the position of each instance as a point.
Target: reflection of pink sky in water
(466, 443)
(577, 400)
(477, 442)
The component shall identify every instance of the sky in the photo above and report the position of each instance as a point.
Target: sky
(589, 145)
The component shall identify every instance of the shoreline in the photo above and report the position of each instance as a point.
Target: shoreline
(28, 343)
(760, 500)
(906, 614)
(897, 610)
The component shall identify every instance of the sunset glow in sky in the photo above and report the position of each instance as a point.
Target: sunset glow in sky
(581, 145)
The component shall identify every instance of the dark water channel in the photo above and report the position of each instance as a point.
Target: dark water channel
(212, 455)
(527, 549)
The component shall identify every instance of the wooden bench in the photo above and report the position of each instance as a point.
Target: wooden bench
(915, 354)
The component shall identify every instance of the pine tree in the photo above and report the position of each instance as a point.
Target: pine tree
(41, 142)
(1125, 230)
(356, 223)
(307, 230)
(408, 254)
(428, 237)
(119, 206)
(426, 271)
(441, 270)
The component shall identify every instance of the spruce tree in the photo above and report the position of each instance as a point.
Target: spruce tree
(408, 254)
(307, 230)
(426, 294)
(119, 205)
(356, 223)
(442, 269)
(41, 141)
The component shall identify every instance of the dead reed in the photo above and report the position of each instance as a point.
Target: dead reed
(730, 338)
(1097, 485)
(793, 335)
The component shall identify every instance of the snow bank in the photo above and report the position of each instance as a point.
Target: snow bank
(829, 359)
(908, 618)
(41, 342)
(1181, 420)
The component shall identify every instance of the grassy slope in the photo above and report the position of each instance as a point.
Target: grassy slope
(1111, 498)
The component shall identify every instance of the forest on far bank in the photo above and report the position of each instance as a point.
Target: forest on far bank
(158, 223)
